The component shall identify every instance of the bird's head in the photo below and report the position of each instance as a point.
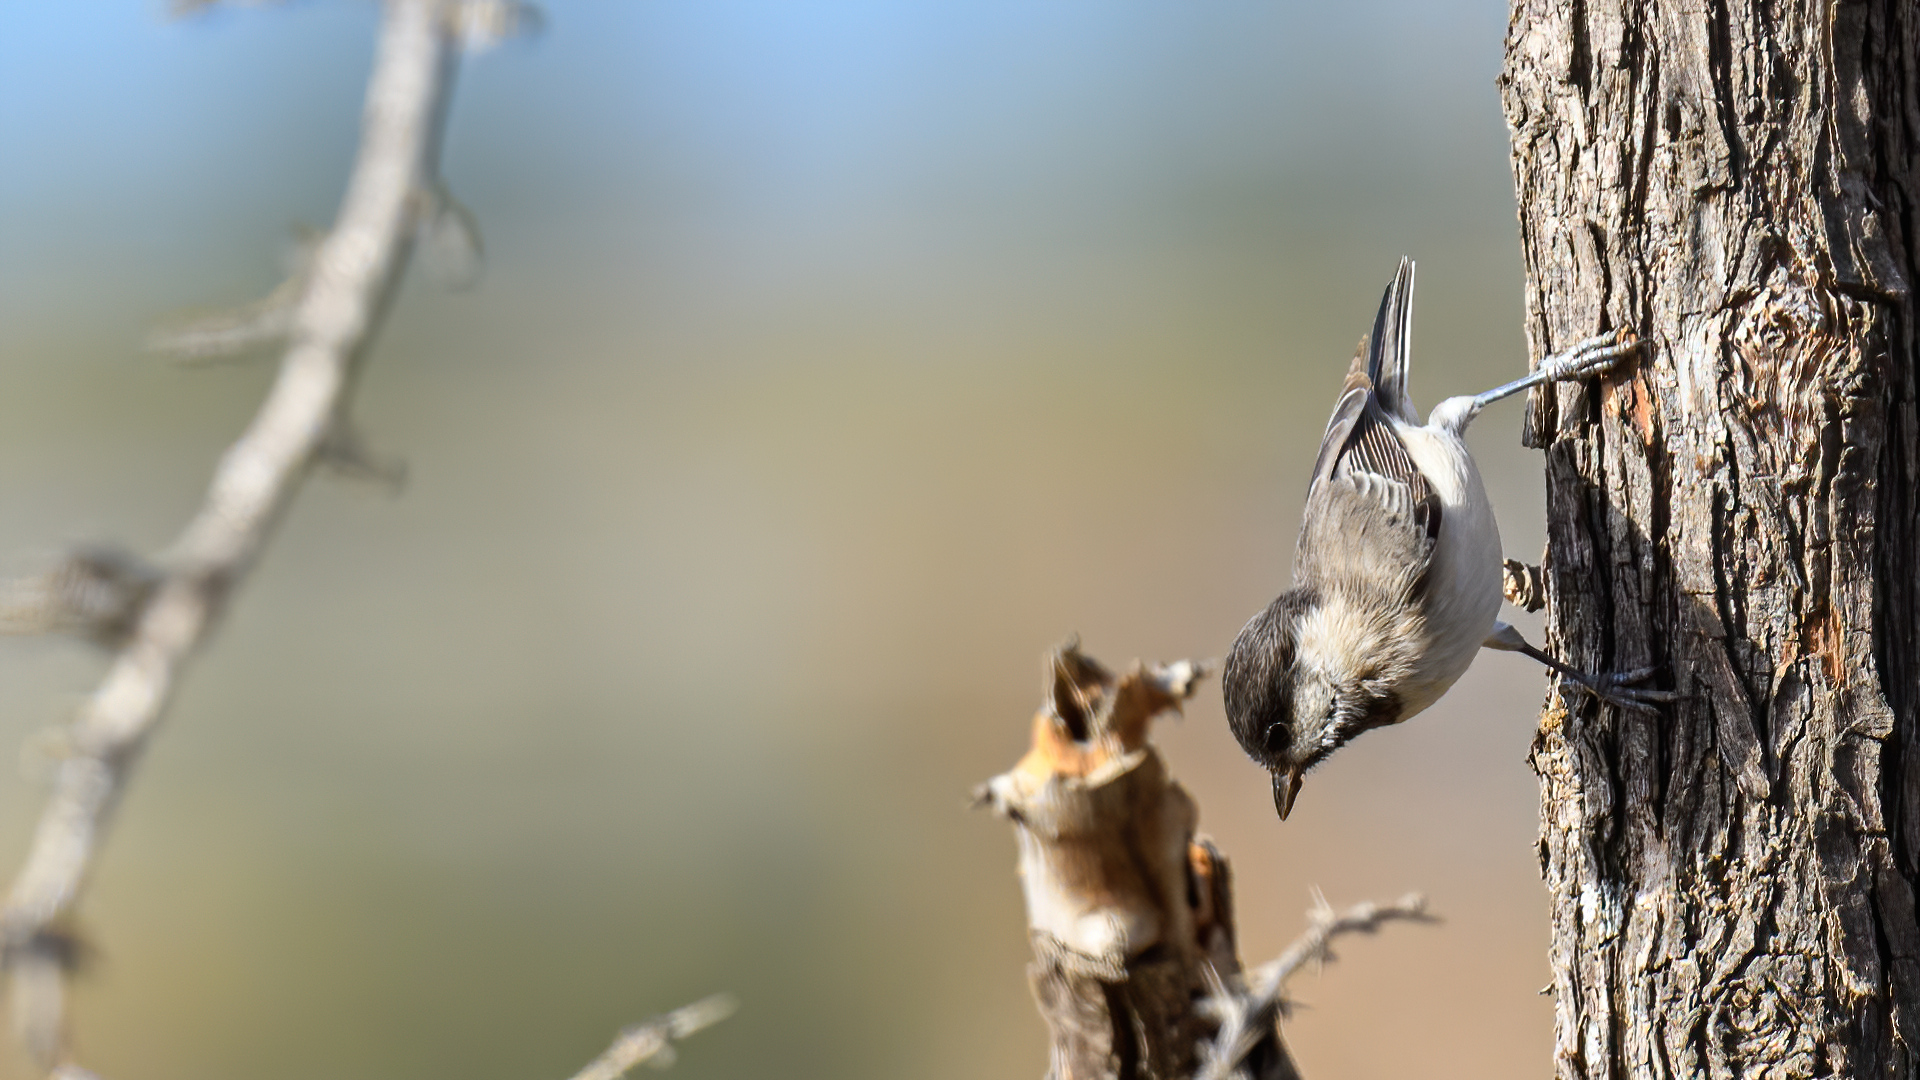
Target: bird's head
(1297, 687)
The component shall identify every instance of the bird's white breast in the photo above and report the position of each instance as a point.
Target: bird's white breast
(1463, 582)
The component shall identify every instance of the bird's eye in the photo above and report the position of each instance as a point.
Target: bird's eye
(1277, 738)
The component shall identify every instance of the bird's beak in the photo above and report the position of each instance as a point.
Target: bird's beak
(1284, 789)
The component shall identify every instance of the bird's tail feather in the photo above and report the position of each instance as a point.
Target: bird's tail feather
(1389, 345)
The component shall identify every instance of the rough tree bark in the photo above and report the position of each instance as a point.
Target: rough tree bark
(1732, 877)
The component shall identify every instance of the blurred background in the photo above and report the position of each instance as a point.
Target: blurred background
(832, 362)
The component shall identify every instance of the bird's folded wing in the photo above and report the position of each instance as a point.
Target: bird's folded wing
(1360, 437)
(1365, 532)
(1347, 412)
(1369, 504)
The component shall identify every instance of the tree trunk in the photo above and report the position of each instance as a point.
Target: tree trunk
(1732, 876)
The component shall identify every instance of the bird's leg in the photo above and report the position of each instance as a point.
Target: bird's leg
(1589, 357)
(1614, 688)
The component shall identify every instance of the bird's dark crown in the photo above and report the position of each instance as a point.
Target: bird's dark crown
(1259, 679)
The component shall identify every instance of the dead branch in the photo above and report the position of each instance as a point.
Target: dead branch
(1314, 945)
(1129, 912)
(350, 285)
(230, 333)
(1246, 1012)
(652, 1041)
(94, 593)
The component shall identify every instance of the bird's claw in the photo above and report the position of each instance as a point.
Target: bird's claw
(1592, 356)
(1617, 688)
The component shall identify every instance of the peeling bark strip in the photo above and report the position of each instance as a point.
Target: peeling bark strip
(1130, 916)
(1733, 879)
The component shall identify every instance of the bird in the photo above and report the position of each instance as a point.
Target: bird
(1397, 574)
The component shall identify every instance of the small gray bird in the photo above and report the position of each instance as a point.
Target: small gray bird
(1397, 574)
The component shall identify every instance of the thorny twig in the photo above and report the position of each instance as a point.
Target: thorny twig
(1247, 1009)
(257, 325)
(352, 280)
(649, 1042)
(652, 1040)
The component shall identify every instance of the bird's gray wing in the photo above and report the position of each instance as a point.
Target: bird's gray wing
(1347, 412)
(1368, 533)
(1359, 435)
(1373, 447)
(1368, 500)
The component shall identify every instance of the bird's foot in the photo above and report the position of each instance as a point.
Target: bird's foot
(1619, 688)
(1590, 357)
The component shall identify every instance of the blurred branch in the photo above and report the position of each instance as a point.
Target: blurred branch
(229, 333)
(1247, 1013)
(652, 1040)
(95, 593)
(447, 236)
(349, 287)
(476, 24)
(265, 322)
(482, 24)
(649, 1042)
(346, 452)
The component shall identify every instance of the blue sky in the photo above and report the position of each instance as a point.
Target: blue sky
(129, 136)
